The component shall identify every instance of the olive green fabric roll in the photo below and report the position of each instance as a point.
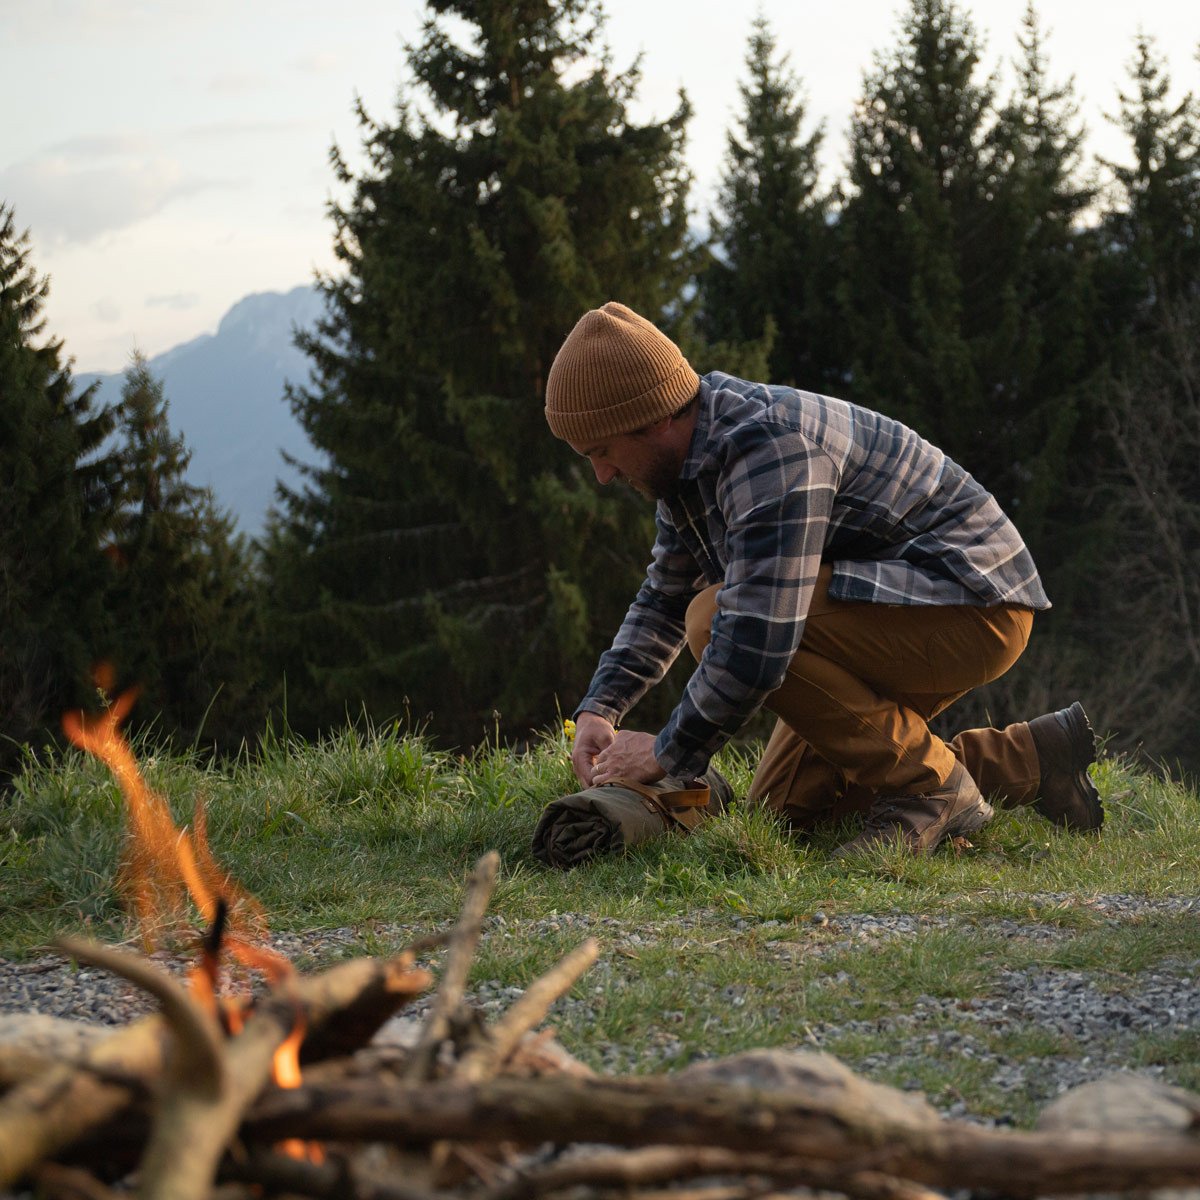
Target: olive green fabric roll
(611, 818)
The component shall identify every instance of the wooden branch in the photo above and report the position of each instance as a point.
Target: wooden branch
(194, 1125)
(362, 994)
(830, 1130)
(664, 1164)
(870, 1185)
(330, 1180)
(197, 1036)
(56, 1182)
(629, 1111)
(207, 1089)
(739, 1191)
(863, 1187)
(45, 1114)
(463, 940)
(451, 1161)
(19, 1065)
(340, 990)
(193, 1128)
(51, 1111)
(485, 1059)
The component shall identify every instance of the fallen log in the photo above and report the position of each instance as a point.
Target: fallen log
(657, 1110)
(666, 1164)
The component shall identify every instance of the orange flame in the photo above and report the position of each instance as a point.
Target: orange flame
(166, 865)
(286, 1073)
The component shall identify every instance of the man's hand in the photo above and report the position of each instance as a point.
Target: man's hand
(628, 756)
(593, 735)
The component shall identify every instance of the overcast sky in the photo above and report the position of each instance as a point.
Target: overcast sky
(170, 156)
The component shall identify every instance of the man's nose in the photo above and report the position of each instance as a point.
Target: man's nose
(605, 472)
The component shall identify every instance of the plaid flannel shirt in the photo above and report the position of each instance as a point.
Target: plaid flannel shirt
(777, 481)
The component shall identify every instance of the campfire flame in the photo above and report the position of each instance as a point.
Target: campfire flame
(286, 1073)
(166, 866)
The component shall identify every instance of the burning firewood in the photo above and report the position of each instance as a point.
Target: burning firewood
(194, 1099)
(50, 1112)
(771, 1119)
(838, 1133)
(204, 1082)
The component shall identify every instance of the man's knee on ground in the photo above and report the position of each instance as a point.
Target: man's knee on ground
(698, 620)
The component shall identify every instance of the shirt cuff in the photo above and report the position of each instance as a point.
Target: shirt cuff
(611, 715)
(680, 767)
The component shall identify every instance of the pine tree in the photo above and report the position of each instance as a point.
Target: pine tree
(1156, 227)
(1149, 631)
(1039, 363)
(1148, 279)
(447, 556)
(967, 288)
(920, 275)
(183, 592)
(774, 269)
(55, 493)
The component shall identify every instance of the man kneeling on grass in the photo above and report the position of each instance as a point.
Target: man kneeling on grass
(828, 563)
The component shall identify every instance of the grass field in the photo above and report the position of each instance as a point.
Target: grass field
(737, 936)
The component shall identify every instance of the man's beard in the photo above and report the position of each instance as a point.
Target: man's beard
(661, 483)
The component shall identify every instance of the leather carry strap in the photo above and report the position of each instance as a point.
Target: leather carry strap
(674, 805)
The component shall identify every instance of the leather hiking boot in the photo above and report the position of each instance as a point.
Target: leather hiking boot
(1066, 747)
(923, 822)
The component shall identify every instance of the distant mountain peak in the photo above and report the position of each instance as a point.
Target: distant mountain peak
(272, 310)
(226, 395)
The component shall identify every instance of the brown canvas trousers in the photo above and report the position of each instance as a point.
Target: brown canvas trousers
(855, 704)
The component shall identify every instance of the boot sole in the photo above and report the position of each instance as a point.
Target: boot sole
(1080, 731)
(1083, 738)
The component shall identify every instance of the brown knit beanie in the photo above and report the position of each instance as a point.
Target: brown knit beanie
(615, 373)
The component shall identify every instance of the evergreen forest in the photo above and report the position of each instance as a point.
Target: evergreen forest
(959, 263)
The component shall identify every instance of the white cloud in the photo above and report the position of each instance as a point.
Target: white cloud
(107, 310)
(177, 301)
(74, 194)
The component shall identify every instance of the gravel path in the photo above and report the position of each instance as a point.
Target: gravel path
(1083, 1009)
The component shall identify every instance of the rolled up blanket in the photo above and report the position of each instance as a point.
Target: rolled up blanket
(614, 816)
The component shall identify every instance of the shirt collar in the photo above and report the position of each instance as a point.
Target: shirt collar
(698, 447)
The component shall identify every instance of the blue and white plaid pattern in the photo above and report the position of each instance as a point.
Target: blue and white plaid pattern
(776, 482)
